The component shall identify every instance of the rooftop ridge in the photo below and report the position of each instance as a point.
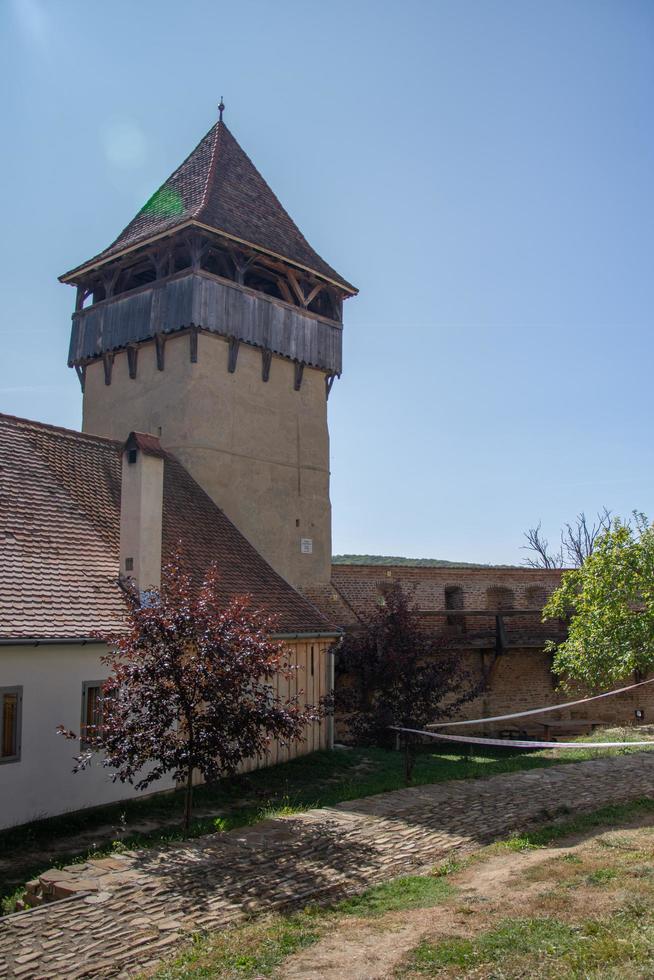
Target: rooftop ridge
(218, 186)
(59, 429)
(211, 169)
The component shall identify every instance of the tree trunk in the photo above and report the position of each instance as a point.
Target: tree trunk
(409, 760)
(188, 799)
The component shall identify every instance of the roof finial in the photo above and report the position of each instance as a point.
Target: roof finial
(221, 109)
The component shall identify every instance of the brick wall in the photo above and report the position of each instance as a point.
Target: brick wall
(522, 679)
(518, 679)
(361, 585)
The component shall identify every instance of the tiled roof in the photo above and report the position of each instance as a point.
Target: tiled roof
(219, 186)
(332, 604)
(60, 531)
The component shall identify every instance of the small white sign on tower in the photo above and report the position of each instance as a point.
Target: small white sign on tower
(306, 546)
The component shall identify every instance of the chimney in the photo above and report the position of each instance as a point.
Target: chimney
(141, 511)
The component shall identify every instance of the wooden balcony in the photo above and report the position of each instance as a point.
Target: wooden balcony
(207, 302)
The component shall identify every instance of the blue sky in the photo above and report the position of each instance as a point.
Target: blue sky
(480, 169)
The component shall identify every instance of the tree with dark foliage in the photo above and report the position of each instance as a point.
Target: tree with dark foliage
(191, 688)
(392, 672)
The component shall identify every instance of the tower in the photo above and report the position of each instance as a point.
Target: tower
(212, 323)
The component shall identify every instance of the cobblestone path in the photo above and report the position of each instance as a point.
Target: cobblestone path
(133, 909)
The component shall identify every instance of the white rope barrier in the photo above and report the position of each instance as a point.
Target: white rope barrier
(516, 743)
(540, 711)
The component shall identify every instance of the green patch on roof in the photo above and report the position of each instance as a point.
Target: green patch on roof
(166, 203)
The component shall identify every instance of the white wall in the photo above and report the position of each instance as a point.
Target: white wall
(41, 783)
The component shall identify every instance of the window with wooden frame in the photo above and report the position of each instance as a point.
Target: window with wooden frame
(11, 699)
(92, 696)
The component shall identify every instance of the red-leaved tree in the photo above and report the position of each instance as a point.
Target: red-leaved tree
(191, 688)
(392, 672)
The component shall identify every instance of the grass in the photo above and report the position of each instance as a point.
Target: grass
(543, 945)
(515, 937)
(319, 779)
(254, 950)
(618, 946)
(570, 934)
(567, 827)
(410, 892)
(10, 902)
(259, 947)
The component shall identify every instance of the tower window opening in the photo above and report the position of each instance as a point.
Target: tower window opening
(263, 281)
(324, 305)
(218, 263)
(181, 259)
(139, 274)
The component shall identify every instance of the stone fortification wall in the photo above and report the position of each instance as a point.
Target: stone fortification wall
(519, 677)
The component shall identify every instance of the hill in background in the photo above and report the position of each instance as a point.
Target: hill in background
(409, 562)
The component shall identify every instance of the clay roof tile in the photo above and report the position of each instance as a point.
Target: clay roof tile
(60, 536)
(219, 186)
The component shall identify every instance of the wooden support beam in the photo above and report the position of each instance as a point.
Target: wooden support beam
(196, 248)
(312, 295)
(80, 371)
(132, 360)
(160, 348)
(242, 263)
(337, 305)
(109, 281)
(297, 289)
(266, 360)
(236, 262)
(160, 259)
(232, 354)
(329, 383)
(285, 291)
(193, 344)
(83, 293)
(108, 362)
(299, 372)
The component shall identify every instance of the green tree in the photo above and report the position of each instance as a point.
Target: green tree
(609, 601)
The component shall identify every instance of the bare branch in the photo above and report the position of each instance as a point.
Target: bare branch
(578, 540)
(541, 555)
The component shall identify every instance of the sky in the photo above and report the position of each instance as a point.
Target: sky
(480, 169)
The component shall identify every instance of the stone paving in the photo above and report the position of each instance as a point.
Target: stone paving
(131, 910)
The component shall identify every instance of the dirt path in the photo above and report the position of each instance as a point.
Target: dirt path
(492, 887)
(361, 949)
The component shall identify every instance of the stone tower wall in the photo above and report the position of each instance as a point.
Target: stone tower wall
(259, 449)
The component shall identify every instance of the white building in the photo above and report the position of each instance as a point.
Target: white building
(74, 509)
